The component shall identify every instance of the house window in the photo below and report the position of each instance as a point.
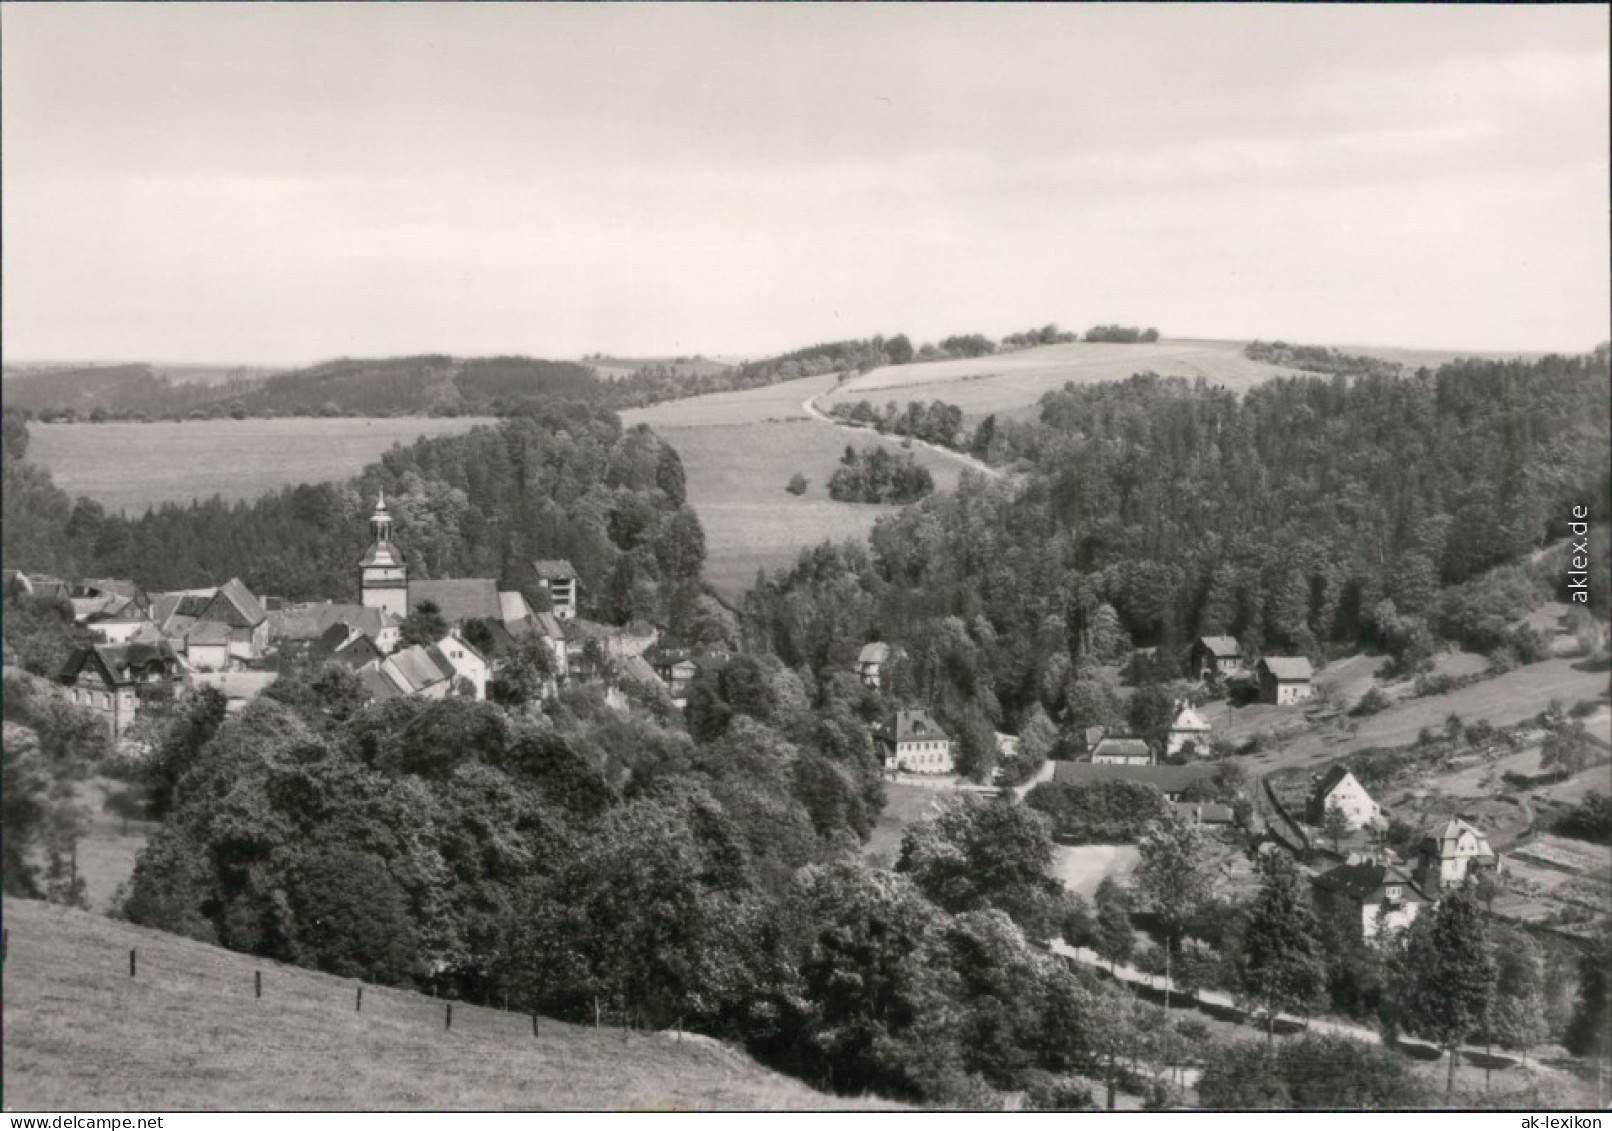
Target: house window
(1393, 893)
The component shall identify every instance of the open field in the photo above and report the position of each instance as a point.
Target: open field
(904, 804)
(736, 476)
(1503, 701)
(1080, 868)
(1014, 382)
(742, 406)
(686, 367)
(187, 1034)
(108, 846)
(129, 467)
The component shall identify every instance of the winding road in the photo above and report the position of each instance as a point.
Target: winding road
(809, 406)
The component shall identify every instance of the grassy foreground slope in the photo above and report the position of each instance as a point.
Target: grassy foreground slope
(188, 1034)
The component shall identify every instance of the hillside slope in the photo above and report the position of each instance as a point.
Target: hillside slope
(1014, 382)
(188, 1034)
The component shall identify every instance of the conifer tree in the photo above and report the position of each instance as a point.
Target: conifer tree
(1283, 965)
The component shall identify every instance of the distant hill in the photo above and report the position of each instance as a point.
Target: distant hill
(119, 390)
(424, 385)
(186, 1033)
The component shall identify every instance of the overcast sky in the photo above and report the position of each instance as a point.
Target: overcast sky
(286, 183)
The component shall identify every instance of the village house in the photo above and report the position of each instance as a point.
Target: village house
(1284, 680)
(112, 680)
(557, 578)
(1172, 781)
(870, 663)
(420, 671)
(1451, 855)
(1188, 729)
(206, 646)
(912, 742)
(314, 628)
(94, 595)
(676, 668)
(358, 652)
(1341, 790)
(1373, 896)
(1121, 752)
(127, 624)
(234, 606)
(467, 663)
(40, 586)
(1214, 656)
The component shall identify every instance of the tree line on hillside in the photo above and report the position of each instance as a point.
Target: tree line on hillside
(439, 385)
(564, 484)
(1321, 359)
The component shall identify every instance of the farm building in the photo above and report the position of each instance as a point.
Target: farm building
(207, 646)
(1340, 789)
(420, 671)
(1284, 679)
(912, 742)
(557, 578)
(1378, 897)
(314, 626)
(1121, 752)
(1214, 655)
(1172, 781)
(1450, 855)
(1189, 728)
(870, 662)
(235, 606)
(112, 679)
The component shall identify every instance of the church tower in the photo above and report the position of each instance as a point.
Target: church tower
(383, 577)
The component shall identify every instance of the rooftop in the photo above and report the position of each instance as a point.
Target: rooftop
(1361, 881)
(459, 599)
(1288, 667)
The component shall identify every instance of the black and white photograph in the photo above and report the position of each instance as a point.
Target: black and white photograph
(805, 557)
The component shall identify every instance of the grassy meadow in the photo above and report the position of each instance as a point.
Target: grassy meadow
(1012, 383)
(187, 1034)
(129, 467)
(737, 465)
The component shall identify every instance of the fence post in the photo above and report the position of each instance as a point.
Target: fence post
(257, 983)
(358, 1006)
(534, 1024)
(447, 1018)
(134, 956)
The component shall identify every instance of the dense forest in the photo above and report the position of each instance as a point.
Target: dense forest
(568, 484)
(1311, 516)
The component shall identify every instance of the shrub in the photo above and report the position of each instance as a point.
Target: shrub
(1374, 701)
